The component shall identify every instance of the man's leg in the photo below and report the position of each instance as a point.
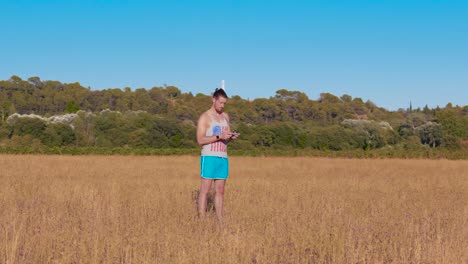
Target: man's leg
(219, 198)
(202, 196)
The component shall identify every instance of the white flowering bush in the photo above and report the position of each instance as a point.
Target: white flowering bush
(62, 119)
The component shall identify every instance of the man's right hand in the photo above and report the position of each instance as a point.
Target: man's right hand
(225, 135)
(235, 136)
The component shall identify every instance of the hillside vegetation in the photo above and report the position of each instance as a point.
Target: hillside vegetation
(50, 116)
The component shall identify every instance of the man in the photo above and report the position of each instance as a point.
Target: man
(213, 134)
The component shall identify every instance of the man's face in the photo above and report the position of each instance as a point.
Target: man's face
(219, 103)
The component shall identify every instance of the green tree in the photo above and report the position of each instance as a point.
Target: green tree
(142, 100)
(263, 137)
(453, 123)
(57, 135)
(172, 92)
(289, 135)
(72, 107)
(266, 109)
(28, 126)
(35, 81)
(430, 134)
(84, 128)
(165, 133)
(296, 96)
(331, 138)
(111, 129)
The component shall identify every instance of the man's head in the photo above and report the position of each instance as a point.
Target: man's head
(219, 100)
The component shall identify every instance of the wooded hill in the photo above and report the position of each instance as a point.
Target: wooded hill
(55, 114)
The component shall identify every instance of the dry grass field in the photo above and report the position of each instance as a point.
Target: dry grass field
(123, 209)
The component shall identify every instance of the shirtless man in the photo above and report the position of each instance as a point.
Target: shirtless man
(213, 134)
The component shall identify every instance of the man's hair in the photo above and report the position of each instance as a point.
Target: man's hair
(219, 92)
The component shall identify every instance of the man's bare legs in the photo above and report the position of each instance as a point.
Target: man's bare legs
(219, 197)
(202, 196)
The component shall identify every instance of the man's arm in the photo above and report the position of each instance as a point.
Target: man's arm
(202, 126)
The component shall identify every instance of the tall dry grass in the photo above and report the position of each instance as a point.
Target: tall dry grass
(99, 209)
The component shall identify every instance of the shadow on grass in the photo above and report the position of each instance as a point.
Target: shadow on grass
(210, 204)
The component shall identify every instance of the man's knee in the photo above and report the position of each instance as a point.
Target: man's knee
(204, 191)
(219, 190)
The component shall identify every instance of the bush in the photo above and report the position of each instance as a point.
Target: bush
(430, 134)
(28, 126)
(332, 138)
(57, 134)
(4, 133)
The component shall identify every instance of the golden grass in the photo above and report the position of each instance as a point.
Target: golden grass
(116, 209)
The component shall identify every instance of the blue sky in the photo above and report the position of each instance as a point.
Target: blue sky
(390, 52)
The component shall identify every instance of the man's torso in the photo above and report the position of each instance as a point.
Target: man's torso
(217, 125)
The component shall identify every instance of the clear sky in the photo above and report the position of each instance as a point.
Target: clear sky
(390, 52)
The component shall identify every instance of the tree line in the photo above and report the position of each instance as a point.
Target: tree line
(55, 114)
